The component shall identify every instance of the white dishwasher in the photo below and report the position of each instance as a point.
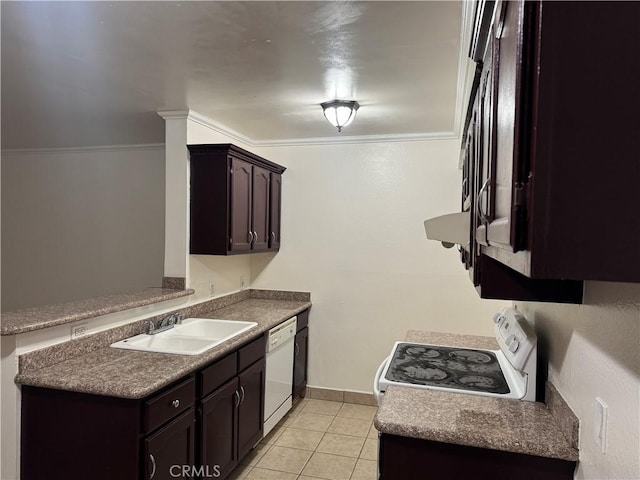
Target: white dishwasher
(279, 373)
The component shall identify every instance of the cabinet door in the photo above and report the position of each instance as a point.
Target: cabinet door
(260, 212)
(468, 202)
(300, 362)
(218, 426)
(477, 187)
(485, 163)
(509, 169)
(274, 211)
(251, 409)
(167, 450)
(240, 206)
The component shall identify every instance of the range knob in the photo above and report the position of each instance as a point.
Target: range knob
(514, 345)
(498, 318)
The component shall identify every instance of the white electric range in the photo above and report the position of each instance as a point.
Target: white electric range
(509, 372)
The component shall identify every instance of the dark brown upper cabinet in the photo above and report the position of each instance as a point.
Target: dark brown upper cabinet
(260, 208)
(274, 210)
(551, 157)
(234, 201)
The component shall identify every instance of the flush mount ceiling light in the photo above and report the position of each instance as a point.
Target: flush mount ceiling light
(340, 113)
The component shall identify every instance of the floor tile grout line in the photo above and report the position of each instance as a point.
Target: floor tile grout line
(292, 415)
(306, 463)
(352, 469)
(304, 430)
(279, 471)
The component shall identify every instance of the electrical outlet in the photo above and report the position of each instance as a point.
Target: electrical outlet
(241, 283)
(79, 330)
(212, 288)
(600, 425)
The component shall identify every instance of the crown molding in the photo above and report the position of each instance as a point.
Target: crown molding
(173, 114)
(206, 122)
(92, 148)
(220, 128)
(385, 138)
(233, 134)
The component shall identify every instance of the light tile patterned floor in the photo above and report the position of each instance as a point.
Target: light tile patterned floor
(318, 439)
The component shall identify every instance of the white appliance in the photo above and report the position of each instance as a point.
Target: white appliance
(279, 373)
(509, 372)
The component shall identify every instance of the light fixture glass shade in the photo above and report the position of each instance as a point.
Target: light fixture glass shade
(340, 113)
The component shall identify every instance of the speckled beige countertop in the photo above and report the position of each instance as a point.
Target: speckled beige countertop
(37, 318)
(495, 423)
(132, 374)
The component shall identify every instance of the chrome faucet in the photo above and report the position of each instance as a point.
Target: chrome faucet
(167, 322)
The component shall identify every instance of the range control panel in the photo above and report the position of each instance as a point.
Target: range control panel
(515, 336)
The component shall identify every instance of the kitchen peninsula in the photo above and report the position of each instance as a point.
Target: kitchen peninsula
(117, 389)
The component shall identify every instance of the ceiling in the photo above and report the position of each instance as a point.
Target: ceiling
(96, 73)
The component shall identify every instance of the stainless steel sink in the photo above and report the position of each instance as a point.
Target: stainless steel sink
(192, 337)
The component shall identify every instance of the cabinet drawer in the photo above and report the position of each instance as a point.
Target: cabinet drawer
(217, 374)
(303, 320)
(165, 406)
(251, 353)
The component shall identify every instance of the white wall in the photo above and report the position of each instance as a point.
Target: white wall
(353, 235)
(594, 351)
(80, 223)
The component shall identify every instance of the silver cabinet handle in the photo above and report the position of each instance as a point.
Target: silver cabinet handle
(297, 349)
(481, 213)
(250, 237)
(153, 466)
(237, 402)
(255, 236)
(242, 392)
(273, 237)
(175, 403)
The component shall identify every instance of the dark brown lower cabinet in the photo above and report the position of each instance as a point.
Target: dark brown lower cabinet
(231, 409)
(301, 355)
(251, 407)
(199, 427)
(231, 420)
(300, 362)
(402, 458)
(170, 451)
(219, 417)
(69, 435)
